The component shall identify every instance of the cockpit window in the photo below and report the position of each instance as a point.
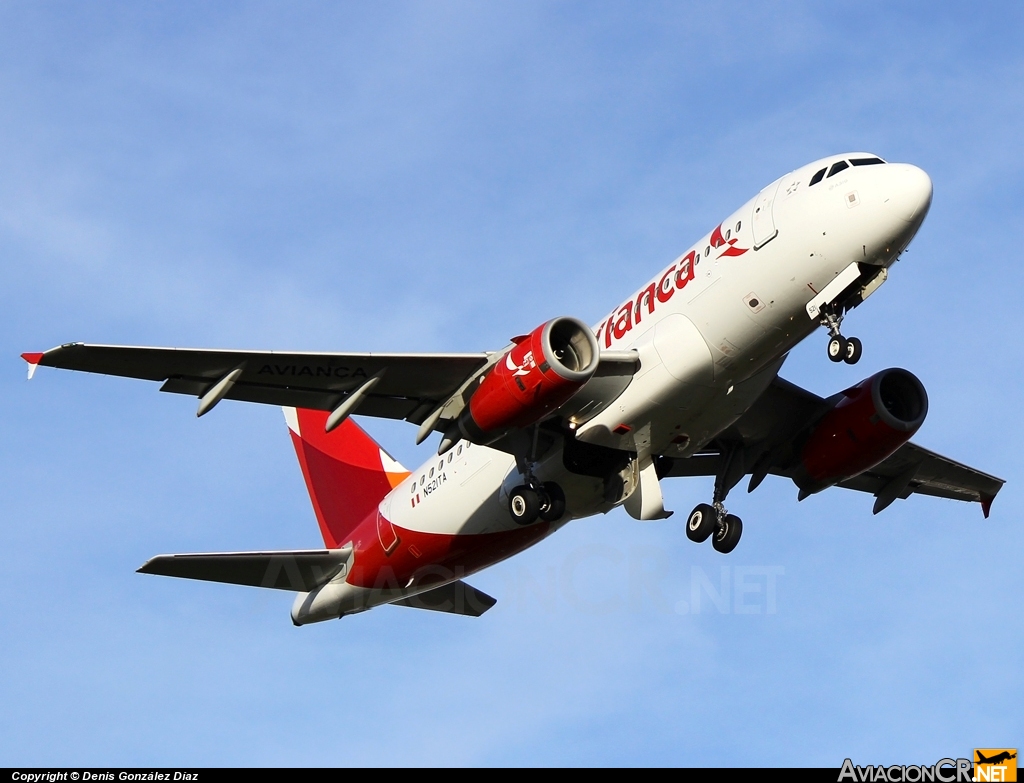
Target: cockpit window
(866, 161)
(837, 167)
(817, 177)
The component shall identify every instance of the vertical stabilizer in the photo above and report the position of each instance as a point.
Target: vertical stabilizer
(347, 473)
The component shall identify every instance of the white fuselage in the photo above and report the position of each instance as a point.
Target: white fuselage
(710, 340)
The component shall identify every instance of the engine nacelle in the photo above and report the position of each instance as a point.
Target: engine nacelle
(870, 421)
(537, 375)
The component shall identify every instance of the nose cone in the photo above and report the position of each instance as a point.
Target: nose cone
(909, 192)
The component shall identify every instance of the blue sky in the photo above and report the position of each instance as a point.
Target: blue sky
(441, 176)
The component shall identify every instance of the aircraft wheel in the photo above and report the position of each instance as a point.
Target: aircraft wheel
(523, 505)
(701, 523)
(728, 535)
(837, 347)
(853, 350)
(552, 507)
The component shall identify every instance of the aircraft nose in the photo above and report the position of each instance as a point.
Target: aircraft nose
(910, 192)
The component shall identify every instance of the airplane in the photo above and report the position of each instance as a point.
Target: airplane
(679, 379)
(996, 759)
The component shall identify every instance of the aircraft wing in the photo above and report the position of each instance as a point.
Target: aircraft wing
(411, 385)
(929, 474)
(766, 439)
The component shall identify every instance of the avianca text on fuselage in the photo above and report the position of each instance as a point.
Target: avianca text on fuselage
(659, 291)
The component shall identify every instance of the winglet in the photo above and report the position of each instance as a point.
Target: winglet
(33, 360)
(986, 504)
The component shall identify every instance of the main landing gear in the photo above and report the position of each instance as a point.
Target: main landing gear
(713, 521)
(532, 499)
(526, 503)
(840, 349)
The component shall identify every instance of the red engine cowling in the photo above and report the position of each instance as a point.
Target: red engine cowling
(870, 421)
(536, 376)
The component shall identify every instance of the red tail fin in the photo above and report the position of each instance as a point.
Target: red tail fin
(347, 473)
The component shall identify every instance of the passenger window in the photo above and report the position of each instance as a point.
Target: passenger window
(866, 161)
(431, 474)
(449, 457)
(837, 167)
(738, 224)
(459, 451)
(818, 177)
(440, 466)
(728, 233)
(421, 480)
(707, 251)
(413, 488)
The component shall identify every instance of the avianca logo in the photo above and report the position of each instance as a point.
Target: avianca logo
(717, 240)
(524, 369)
(675, 278)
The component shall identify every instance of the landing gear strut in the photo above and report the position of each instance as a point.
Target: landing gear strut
(840, 349)
(713, 521)
(533, 499)
(526, 504)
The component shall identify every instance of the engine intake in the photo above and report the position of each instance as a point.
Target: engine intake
(537, 375)
(868, 423)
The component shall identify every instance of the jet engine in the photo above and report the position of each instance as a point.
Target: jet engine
(868, 423)
(537, 375)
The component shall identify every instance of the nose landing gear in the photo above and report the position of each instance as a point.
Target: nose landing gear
(840, 349)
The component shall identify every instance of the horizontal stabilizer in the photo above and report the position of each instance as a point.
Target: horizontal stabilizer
(455, 598)
(300, 570)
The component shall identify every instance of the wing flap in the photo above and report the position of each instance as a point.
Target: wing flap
(304, 380)
(296, 570)
(934, 475)
(292, 397)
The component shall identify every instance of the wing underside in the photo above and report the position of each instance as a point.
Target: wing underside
(763, 441)
(409, 386)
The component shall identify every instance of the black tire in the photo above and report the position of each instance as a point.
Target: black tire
(854, 349)
(837, 348)
(552, 507)
(728, 535)
(523, 505)
(701, 523)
